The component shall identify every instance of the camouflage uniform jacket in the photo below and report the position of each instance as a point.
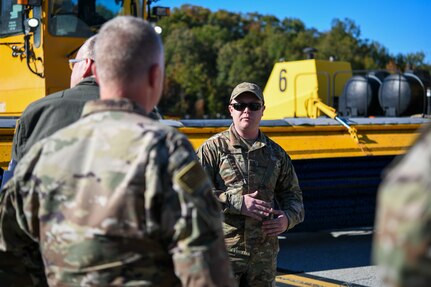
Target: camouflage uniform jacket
(237, 170)
(116, 199)
(402, 241)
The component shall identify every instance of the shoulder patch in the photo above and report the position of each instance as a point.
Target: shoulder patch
(191, 177)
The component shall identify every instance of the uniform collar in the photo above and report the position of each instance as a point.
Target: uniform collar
(235, 138)
(123, 105)
(88, 81)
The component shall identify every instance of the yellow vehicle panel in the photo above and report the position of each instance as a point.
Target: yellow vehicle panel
(291, 84)
(6, 138)
(323, 138)
(19, 86)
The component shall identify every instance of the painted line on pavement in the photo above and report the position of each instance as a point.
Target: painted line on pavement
(307, 280)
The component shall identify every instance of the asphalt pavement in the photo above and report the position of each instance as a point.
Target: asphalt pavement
(342, 258)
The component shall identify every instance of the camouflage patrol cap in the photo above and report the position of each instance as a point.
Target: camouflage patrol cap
(247, 87)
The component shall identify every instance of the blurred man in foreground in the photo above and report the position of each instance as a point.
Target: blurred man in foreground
(402, 242)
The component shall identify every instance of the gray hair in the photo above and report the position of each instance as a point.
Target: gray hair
(126, 48)
(89, 48)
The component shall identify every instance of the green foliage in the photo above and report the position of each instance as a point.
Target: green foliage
(208, 53)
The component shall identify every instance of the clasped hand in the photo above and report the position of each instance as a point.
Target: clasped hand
(260, 210)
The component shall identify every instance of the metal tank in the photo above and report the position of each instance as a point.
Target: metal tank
(360, 97)
(402, 95)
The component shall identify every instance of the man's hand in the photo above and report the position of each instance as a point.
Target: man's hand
(276, 226)
(255, 208)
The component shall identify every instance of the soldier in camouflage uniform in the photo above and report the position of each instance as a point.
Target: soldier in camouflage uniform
(118, 199)
(250, 173)
(402, 242)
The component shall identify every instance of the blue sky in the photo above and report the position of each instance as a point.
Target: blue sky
(400, 26)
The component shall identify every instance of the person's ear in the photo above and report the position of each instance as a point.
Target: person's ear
(230, 109)
(154, 75)
(94, 72)
(88, 68)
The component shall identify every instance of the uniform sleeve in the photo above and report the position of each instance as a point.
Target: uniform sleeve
(288, 193)
(231, 200)
(197, 242)
(15, 235)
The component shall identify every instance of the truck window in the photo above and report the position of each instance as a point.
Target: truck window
(10, 18)
(81, 18)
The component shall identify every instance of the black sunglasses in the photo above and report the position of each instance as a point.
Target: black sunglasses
(251, 106)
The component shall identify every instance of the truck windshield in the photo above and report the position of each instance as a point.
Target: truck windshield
(10, 18)
(81, 18)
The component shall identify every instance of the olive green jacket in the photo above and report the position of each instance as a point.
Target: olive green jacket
(47, 115)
